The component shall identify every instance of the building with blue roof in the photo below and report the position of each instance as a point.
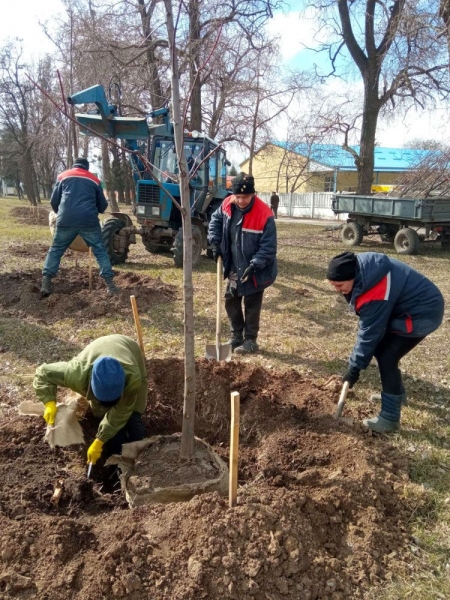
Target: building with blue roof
(325, 167)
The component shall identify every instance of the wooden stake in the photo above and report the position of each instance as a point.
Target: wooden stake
(234, 448)
(137, 324)
(90, 270)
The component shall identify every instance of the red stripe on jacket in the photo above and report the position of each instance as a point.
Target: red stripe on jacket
(256, 218)
(379, 291)
(77, 172)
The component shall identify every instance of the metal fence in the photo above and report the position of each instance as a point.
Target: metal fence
(311, 205)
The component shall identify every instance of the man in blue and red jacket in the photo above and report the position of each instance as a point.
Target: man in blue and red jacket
(77, 199)
(397, 308)
(242, 230)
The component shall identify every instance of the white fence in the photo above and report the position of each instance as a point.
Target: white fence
(311, 205)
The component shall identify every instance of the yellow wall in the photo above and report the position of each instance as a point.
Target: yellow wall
(276, 169)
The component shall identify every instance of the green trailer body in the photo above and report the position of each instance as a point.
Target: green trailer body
(397, 220)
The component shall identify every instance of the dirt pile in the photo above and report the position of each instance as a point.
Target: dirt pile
(320, 508)
(20, 295)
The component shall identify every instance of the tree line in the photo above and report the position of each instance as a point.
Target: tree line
(391, 55)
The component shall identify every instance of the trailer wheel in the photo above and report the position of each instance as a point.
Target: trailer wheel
(196, 247)
(352, 234)
(406, 241)
(112, 242)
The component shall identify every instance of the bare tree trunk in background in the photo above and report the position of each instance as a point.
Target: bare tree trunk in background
(28, 178)
(187, 435)
(128, 179)
(108, 179)
(156, 94)
(194, 62)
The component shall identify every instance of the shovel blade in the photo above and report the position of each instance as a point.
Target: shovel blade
(224, 352)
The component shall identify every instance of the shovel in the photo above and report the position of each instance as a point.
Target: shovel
(219, 351)
(342, 397)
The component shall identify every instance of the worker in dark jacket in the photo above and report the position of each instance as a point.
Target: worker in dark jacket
(397, 308)
(274, 202)
(77, 199)
(242, 230)
(111, 374)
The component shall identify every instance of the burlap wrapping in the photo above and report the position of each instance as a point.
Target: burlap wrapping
(66, 431)
(78, 244)
(178, 493)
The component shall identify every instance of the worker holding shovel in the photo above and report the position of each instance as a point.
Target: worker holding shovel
(397, 308)
(111, 374)
(242, 231)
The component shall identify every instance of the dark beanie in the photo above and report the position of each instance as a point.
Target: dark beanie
(243, 184)
(107, 379)
(81, 162)
(342, 267)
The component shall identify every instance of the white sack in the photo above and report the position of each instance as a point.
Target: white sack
(66, 431)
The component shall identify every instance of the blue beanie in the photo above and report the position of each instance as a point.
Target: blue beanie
(107, 379)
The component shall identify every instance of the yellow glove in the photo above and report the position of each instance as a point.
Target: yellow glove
(95, 451)
(50, 412)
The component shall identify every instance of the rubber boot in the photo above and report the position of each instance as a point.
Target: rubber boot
(389, 418)
(377, 398)
(248, 347)
(236, 340)
(46, 286)
(111, 288)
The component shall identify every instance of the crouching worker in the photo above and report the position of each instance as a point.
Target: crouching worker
(397, 308)
(111, 374)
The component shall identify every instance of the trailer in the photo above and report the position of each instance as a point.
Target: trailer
(404, 221)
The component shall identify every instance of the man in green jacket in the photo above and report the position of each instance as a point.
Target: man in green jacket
(111, 374)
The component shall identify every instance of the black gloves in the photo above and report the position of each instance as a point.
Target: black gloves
(351, 375)
(216, 252)
(248, 271)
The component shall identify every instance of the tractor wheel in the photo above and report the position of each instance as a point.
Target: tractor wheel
(352, 234)
(406, 241)
(196, 247)
(111, 241)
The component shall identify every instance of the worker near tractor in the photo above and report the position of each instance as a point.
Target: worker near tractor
(77, 199)
(242, 231)
(397, 308)
(111, 374)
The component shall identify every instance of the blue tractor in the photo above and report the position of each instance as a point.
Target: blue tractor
(158, 218)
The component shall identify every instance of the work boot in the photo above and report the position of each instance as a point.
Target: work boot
(381, 425)
(111, 287)
(46, 286)
(248, 347)
(389, 418)
(236, 340)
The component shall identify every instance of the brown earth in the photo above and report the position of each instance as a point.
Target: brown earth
(321, 506)
(321, 511)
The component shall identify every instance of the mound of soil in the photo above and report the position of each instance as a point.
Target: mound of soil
(320, 508)
(31, 215)
(20, 295)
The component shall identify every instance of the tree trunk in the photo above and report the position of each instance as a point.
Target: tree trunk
(194, 61)
(371, 109)
(156, 93)
(28, 178)
(187, 435)
(108, 179)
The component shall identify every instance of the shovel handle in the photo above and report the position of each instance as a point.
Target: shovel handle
(219, 303)
(342, 398)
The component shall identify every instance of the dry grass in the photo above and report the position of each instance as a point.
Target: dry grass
(305, 326)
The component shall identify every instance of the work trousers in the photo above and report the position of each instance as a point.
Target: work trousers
(133, 431)
(274, 208)
(388, 354)
(247, 320)
(64, 236)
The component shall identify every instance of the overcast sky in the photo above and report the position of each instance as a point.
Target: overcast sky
(20, 18)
